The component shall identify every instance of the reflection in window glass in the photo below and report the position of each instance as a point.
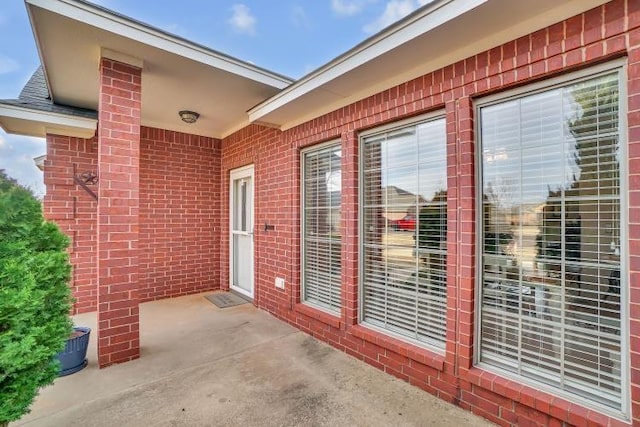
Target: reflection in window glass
(404, 210)
(242, 196)
(322, 245)
(551, 238)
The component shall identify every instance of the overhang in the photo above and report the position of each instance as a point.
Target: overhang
(29, 121)
(34, 114)
(437, 35)
(39, 161)
(72, 35)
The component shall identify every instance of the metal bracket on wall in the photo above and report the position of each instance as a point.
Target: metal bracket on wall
(84, 180)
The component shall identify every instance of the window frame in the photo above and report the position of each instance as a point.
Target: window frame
(303, 269)
(396, 125)
(549, 84)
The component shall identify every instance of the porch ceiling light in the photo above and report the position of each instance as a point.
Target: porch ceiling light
(188, 116)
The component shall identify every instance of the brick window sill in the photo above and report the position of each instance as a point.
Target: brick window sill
(413, 352)
(319, 315)
(544, 402)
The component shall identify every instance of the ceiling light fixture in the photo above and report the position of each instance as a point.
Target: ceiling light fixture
(188, 116)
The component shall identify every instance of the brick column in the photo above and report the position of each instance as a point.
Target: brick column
(466, 221)
(118, 204)
(350, 228)
(633, 165)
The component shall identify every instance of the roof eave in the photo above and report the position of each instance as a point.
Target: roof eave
(38, 123)
(376, 45)
(103, 18)
(39, 161)
(439, 34)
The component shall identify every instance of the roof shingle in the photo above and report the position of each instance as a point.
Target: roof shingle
(35, 95)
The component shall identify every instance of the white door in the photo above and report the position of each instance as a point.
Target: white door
(241, 239)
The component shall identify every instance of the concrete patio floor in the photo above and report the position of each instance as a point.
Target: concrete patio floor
(238, 366)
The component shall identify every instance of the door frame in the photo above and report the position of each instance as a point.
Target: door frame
(242, 172)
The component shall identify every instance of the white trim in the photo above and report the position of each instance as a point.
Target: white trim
(337, 83)
(118, 24)
(550, 83)
(619, 66)
(436, 14)
(433, 115)
(36, 37)
(57, 119)
(242, 172)
(51, 121)
(39, 161)
(242, 169)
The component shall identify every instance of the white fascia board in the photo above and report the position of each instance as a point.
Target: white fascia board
(435, 15)
(144, 34)
(49, 120)
(39, 161)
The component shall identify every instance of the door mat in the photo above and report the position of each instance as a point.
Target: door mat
(227, 299)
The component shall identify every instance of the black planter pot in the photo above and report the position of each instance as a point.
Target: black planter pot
(74, 356)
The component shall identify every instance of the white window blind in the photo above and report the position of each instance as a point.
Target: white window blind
(404, 220)
(551, 243)
(321, 241)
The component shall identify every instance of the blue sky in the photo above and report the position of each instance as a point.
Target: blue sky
(291, 37)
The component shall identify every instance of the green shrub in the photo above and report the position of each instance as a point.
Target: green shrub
(34, 299)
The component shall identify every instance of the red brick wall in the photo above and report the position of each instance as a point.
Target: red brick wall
(180, 207)
(274, 205)
(74, 210)
(607, 32)
(179, 197)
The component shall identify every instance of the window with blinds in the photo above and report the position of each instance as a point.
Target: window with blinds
(404, 232)
(551, 244)
(321, 241)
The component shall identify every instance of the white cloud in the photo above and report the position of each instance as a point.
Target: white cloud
(299, 18)
(8, 65)
(394, 10)
(348, 7)
(242, 20)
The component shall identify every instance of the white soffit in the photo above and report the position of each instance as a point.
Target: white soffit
(177, 75)
(30, 122)
(440, 34)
